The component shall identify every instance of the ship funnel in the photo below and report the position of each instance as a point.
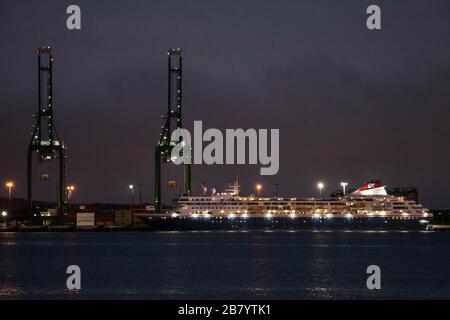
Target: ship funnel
(372, 188)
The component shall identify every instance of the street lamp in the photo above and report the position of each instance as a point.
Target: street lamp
(70, 189)
(320, 186)
(131, 187)
(4, 214)
(343, 185)
(258, 188)
(9, 185)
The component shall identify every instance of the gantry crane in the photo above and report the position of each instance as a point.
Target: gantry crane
(44, 140)
(174, 113)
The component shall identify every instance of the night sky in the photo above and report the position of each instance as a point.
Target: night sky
(351, 104)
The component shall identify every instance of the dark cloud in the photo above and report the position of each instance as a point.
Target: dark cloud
(349, 104)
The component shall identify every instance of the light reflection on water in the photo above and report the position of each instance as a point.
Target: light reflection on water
(214, 265)
(7, 291)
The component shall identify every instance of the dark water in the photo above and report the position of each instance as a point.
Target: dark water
(228, 265)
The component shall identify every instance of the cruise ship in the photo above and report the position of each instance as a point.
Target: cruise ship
(369, 207)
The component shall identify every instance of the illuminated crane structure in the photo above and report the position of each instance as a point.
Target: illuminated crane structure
(174, 113)
(44, 140)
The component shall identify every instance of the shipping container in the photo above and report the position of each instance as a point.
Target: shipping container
(85, 219)
(123, 218)
(104, 219)
(104, 223)
(70, 218)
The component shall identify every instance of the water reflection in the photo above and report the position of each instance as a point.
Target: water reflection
(259, 269)
(320, 268)
(8, 291)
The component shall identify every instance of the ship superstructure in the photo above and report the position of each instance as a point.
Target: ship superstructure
(368, 201)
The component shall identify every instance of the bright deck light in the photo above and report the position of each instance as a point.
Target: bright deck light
(320, 186)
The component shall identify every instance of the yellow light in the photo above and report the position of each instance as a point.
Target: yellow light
(9, 184)
(258, 187)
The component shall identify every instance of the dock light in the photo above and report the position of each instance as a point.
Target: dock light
(320, 186)
(131, 187)
(344, 185)
(231, 216)
(268, 215)
(258, 188)
(245, 216)
(70, 190)
(349, 216)
(10, 186)
(174, 215)
(4, 214)
(194, 215)
(316, 216)
(292, 215)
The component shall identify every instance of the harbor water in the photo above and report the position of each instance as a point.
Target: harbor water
(226, 264)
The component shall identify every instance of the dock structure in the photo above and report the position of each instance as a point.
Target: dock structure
(438, 227)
